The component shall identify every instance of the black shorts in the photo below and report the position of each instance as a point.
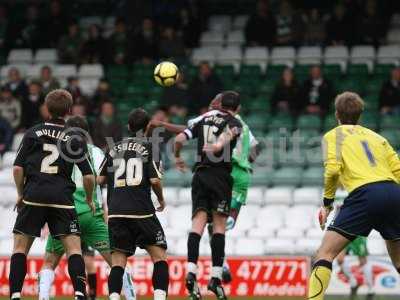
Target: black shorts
(212, 190)
(372, 206)
(61, 221)
(127, 233)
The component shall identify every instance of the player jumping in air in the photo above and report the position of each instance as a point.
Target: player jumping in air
(217, 133)
(357, 248)
(42, 175)
(243, 155)
(369, 169)
(130, 170)
(94, 231)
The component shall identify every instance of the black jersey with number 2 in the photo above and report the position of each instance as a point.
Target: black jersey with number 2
(47, 154)
(129, 166)
(207, 128)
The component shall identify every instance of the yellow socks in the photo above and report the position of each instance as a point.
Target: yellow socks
(319, 279)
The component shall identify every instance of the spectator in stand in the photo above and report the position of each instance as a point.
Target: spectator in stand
(94, 49)
(31, 105)
(370, 25)
(261, 27)
(101, 94)
(6, 137)
(339, 27)
(176, 98)
(286, 93)
(145, 42)
(389, 98)
(106, 126)
(4, 31)
(314, 28)
(28, 34)
(78, 110)
(44, 113)
(47, 80)
(74, 89)
(10, 108)
(288, 25)
(317, 93)
(171, 45)
(203, 89)
(16, 84)
(70, 45)
(119, 43)
(191, 27)
(54, 24)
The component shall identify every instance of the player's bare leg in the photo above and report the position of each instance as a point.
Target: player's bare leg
(119, 260)
(22, 245)
(368, 275)
(218, 254)
(76, 265)
(393, 248)
(199, 222)
(332, 244)
(46, 275)
(127, 283)
(160, 277)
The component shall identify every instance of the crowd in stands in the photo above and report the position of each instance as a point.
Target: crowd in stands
(153, 35)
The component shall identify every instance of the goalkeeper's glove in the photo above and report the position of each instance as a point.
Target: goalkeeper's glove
(324, 212)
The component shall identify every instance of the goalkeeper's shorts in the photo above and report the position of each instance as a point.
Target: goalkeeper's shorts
(371, 206)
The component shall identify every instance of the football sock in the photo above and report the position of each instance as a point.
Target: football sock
(160, 279)
(17, 274)
(160, 295)
(115, 280)
(46, 279)
(92, 282)
(193, 245)
(346, 268)
(369, 276)
(76, 270)
(218, 249)
(127, 285)
(319, 279)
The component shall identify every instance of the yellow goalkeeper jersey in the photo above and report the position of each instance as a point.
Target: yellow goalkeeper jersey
(355, 156)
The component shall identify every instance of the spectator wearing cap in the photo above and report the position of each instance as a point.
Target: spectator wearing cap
(389, 97)
(73, 88)
(106, 126)
(47, 80)
(16, 84)
(10, 108)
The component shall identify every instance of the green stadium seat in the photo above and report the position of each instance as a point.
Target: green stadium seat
(393, 136)
(294, 157)
(117, 72)
(261, 176)
(314, 156)
(370, 120)
(390, 121)
(256, 121)
(278, 138)
(313, 176)
(373, 86)
(136, 89)
(250, 71)
(287, 176)
(351, 84)
(330, 122)
(274, 72)
(302, 72)
(280, 121)
(306, 138)
(309, 122)
(143, 72)
(332, 71)
(383, 71)
(357, 71)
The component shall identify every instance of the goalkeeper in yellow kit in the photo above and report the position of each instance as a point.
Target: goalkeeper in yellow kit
(369, 169)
